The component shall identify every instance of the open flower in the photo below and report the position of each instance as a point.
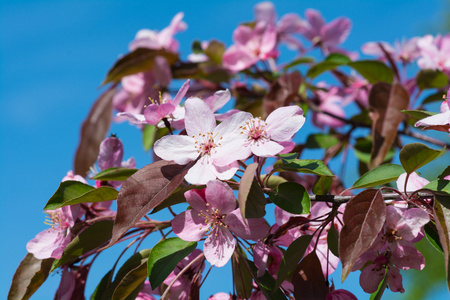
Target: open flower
(214, 214)
(440, 122)
(263, 138)
(202, 141)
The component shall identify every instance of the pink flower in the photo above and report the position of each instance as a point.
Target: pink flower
(52, 242)
(220, 296)
(266, 256)
(405, 50)
(339, 294)
(441, 121)
(435, 53)
(325, 36)
(332, 102)
(202, 142)
(146, 292)
(181, 288)
(250, 46)
(357, 91)
(214, 214)
(152, 39)
(263, 138)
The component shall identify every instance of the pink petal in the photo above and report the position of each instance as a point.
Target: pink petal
(370, 278)
(266, 148)
(394, 279)
(220, 196)
(202, 172)
(134, 118)
(110, 153)
(218, 100)
(179, 148)
(441, 119)
(290, 23)
(161, 70)
(242, 34)
(407, 257)
(181, 92)
(260, 257)
(268, 42)
(415, 219)
(256, 229)
(219, 246)
(415, 182)
(284, 122)
(230, 151)
(199, 118)
(196, 199)
(133, 83)
(336, 31)
(153, 113)
(229, 129)
(315, 22)
(265, 12)
(46, 244)
(237, 59)
(226, 172)
(189, 226)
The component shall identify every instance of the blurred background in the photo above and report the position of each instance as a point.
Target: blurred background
(54, 56)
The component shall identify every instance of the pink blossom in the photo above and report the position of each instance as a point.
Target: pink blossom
(202, 142)
(326, 36)
(214, 214)
(146, 292)
(357, 91)
(339, 294)
(220, 296)
(435, 53)
(67, 285)
(441, 121)
(153, 39)
(332, 102)
(250, 46)
(263, 138)
(376, 267)
(160, 109)
(52, 242)
(405, 51)
(181, 288)
(266, 256)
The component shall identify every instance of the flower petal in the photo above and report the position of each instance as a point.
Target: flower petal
(218, 100)
(284, 122)
(266, 148)
(181, 92)
(199, 118)
(189, 226)
(179, 148)
(220, 196)
(219, 246)
(256, 229)
(110, 154)
(202, 172)
(134, 118)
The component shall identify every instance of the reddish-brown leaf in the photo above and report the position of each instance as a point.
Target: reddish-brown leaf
(363, 218)
(143, 191)
(93, 131)
(308, 280)
(386, 103)
(250, 196)
(29, 276)
(442, 217)
(282, 91)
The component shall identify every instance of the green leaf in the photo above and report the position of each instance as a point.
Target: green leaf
(102, 286)
(117, 174)
(332, 61)
(140, 60)
(215, 51)
(291, 197)
(430, 79)
(292, 256)
(148, 136)
(73, 192)
(197, 47)
(321, 140)
(439, 186)
(165, 256)
(442, 217)
(266, 283)
(416, 155)
(130, 285)
(288, 157)
(432, 235)
(29, 276)
(273, 181)
(380, 175)
(439, 96)
(301, 60)
(333, 240)
(92, 237)
(311, 166)
(242, 278)
(418, 114)
(373, 70)
(322, 185)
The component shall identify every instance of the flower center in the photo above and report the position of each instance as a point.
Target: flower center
(55, 220)
(255, 130)
(205, 143)
(213, 218)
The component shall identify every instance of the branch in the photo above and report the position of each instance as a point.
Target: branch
(344, 199)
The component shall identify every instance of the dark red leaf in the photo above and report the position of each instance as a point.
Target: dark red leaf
(143, 191)
(93, 131)
(363, 218)
(308, 280)
(282, 92)
(386, 103)
(29, 276)
(442, 217)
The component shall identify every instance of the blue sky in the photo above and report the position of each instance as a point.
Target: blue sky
(55, 54)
